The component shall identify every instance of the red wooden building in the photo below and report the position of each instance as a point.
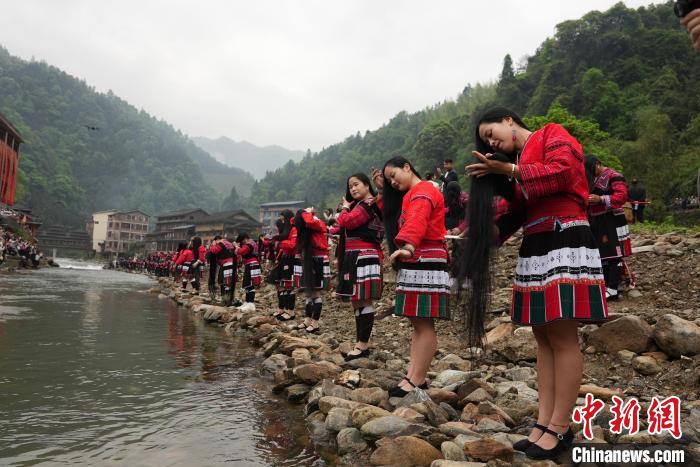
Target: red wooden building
(9, 161)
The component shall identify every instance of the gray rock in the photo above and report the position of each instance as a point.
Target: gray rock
(520, 346)
(273, 363)
(487, 425)
(453, 377)
(452, 452)
(521, 373)
(626, 355)
(297, 392)
(350, 440)
(448, 463)
(461, 440)
(452, 414)
(384, 426)
(372, 396)
(521, 388)
(338, 418)
(676, 336)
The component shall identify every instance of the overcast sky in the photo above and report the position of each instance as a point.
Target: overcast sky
(301, 74)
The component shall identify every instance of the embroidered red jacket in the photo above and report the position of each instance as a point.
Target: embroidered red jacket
(289, 246)
(611, 186)
(223, 245)
(187, 257)
(422, 216)
(553, 187)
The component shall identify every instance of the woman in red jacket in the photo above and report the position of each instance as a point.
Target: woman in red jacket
(191, 261)
(360, 257)
(283, 273)
(312, 270)
(252, 277)
(558, 277)
(414, 219)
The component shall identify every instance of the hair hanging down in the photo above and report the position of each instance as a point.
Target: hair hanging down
(392, 201)
(196, 243)
(285, 225)
(475, 263)
(305, 248)
(213, 266)
(590, 163)
(476, 260)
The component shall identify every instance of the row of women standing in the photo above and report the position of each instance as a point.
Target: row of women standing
(534, 180)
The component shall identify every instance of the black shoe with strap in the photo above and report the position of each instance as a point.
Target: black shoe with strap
(564, 441)
(397, 391)
(523, 444)
(363, 353)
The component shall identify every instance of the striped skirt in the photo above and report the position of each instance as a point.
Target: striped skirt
(423, 285)
(321, 274)
(559, 276)
(361, 276)
(285, 271)
(612, 235)
(252, 275)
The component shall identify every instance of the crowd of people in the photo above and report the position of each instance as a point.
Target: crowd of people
(14, 245)
(571, 260)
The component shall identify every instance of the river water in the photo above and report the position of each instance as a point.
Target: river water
(95, 371)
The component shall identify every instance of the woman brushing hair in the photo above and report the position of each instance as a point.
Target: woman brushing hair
(558, 278)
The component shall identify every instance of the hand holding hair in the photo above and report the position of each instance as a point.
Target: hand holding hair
(487, 165)
(377, 178)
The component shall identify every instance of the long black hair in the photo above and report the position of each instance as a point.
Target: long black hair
(393, 199)
(305, 248)
(492, 115)
(181, 246)
(340, 249)
(364, 179)
(453, 193)
(196, 243)
(213, 266)
(284, 226)
(475, 263)
(589, 163)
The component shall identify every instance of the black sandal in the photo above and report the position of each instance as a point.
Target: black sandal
(288, 318)
(523, 444)
(312, 329)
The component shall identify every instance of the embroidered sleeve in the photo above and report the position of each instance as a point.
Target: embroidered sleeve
(540, 179)
(215, 249)
(202, 254)
(416, 219)
(244, 250)
(354, 218)
(618, 197)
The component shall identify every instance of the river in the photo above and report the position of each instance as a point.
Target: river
(96, 371)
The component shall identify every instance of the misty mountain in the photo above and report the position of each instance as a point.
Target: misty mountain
(247, 156)
(86, 151)
(222, 177)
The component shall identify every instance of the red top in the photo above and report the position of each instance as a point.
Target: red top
(422, 216)
(553, 184)
(354, 218)
(613, 189)
(319, 239)
(217, 248)
(245, 251)
(187, 256)
(289, 246)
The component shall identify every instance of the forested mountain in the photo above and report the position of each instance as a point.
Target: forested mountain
(221, 177)
(86, 151)
(249, 157)
(625, 82)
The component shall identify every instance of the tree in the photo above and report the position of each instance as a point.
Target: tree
(232, 201)
(436, 142)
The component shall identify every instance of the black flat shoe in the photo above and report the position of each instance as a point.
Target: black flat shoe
(523, 444)
(563, 444)
(363, 353)
(397, 391)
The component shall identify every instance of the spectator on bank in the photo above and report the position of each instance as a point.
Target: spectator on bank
(637, 195)
(450, 174)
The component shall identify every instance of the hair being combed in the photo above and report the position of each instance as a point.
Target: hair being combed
(393, 199)
(476, 262)
(305, 248)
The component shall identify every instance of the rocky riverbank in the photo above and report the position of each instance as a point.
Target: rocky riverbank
(480, 402)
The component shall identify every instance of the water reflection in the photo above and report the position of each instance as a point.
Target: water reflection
(103, 373)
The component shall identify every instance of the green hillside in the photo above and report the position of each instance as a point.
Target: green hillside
(624, 81)
(87, 151)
